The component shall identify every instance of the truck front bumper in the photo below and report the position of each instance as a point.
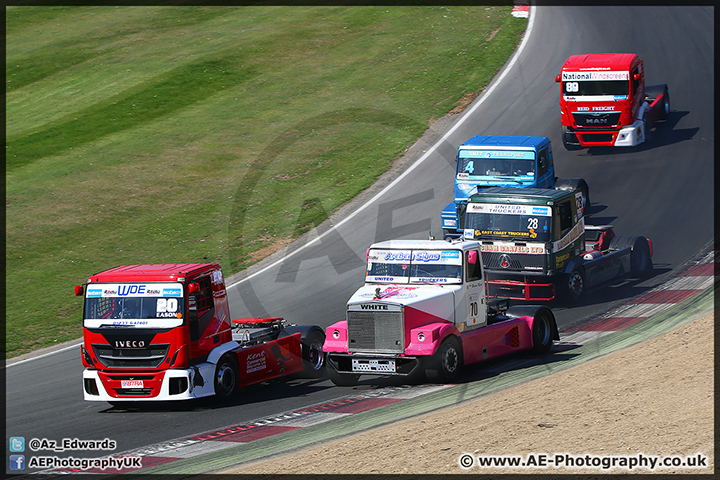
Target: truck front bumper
(133, 386)
(629, 136)
(373, 364)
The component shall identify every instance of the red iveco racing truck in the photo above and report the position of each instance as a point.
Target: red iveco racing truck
(423, 310)
(163, 332)
(604, 101)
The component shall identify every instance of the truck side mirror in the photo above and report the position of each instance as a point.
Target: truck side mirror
(79, 290)
(557, 78)
(193, 288)
(636, 76)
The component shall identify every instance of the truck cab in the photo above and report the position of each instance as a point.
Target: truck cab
(148, 328)
(604, 101)
(423, 309)
(163, 332)
(536, 246)
(486, 161)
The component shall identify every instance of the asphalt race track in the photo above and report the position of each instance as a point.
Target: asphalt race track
(663, 190)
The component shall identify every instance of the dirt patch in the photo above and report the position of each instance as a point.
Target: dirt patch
(654, 399)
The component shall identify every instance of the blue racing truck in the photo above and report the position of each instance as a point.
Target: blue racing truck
(486, 161)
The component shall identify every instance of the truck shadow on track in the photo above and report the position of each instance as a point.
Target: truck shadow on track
(252, 394)
(663, 134)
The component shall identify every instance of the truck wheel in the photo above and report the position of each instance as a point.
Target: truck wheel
(226, 377)
(574, 285)
(640, 261)
(343, 379)
(542, 331)
(569, 139)
(666, 104)
(445, 364)
(313, 355)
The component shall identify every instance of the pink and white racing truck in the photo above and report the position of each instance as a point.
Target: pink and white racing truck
(423, 310)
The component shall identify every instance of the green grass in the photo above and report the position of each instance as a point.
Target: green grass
(193, 134)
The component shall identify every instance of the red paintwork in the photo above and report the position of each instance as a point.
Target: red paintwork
(628, 108)
(270, 360)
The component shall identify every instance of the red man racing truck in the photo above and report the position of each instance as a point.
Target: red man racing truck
(423, 310)
(604, 101)
(163, 332)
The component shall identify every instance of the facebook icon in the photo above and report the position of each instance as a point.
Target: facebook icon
(17, 462)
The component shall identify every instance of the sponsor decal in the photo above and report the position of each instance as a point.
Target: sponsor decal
(508, 248)
(131, 383)
(514, 154)
(561, 259)
(397, 256)
(135, 290)
(424, 256)
(504, 209)
(594, 76)
(256, 362)
(571, 236)
(392, 291)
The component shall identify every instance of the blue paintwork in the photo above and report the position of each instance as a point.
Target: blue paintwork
(486, 161)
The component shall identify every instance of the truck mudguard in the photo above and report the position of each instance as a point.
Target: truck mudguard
(434, 334)
(531, 311)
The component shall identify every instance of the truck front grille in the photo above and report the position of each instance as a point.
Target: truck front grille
(376, 332)
(149, 357)
(515, 261)
(597, 120)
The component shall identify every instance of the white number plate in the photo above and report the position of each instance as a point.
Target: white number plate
(131, 383)
(373, 365)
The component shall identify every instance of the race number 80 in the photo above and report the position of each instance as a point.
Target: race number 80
(167, 305)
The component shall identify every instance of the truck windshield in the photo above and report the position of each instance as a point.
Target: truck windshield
(146, 305)
(484, 163)
(597, 88)
(414, 266)
(501, 221)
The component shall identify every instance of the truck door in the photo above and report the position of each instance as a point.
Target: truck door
(474, 298)
(545, 171)
(201, 311)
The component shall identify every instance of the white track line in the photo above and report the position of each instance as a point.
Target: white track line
(467, 114)
(514, 58)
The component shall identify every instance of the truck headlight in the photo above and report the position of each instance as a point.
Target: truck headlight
(336, 334)
(449, 223)
(421, 337)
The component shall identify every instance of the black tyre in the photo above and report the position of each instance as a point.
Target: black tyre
(446, 363)
(343, 379)
(646, 130)
(313, 355)
(640, 260)
(543, 331)
(569, 139)
(585, 191)
(666, 104)
(226, 377)
(574, 285)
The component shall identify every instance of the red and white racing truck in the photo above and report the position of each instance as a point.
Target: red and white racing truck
(423, 310)
(163, 332)
(604, 101)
